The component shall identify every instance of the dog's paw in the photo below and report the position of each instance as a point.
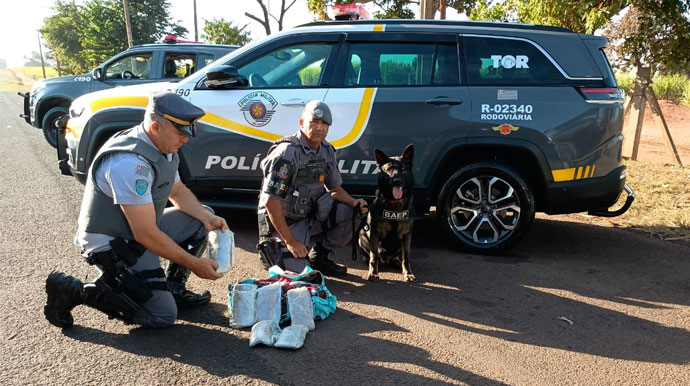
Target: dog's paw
(410, 277)
(372, 277)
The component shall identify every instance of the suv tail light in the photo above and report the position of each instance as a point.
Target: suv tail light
(608, 95)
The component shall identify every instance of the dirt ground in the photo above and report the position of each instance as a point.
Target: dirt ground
(652, 147)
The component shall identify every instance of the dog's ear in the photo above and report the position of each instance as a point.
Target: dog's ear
(408, 153)
(381, 157)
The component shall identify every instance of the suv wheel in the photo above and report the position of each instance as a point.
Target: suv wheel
(49, 128)
(486, 207)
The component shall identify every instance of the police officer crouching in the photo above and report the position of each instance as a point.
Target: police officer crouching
(124, 225)
(302, 202)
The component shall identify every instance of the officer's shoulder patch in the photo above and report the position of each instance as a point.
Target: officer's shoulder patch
(141, 186)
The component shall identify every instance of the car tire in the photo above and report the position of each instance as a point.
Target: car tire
(48, 125)
(486, 207)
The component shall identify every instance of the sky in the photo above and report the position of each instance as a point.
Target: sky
(20, 21)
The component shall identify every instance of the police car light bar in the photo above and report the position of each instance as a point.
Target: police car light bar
(171, 39)
(349, 12)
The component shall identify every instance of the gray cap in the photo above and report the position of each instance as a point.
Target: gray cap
(319, 110)
(181, 113)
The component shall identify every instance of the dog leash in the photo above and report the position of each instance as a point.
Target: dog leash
(355, 230)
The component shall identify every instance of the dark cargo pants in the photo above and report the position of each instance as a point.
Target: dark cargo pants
(333, 233)
(161, 310)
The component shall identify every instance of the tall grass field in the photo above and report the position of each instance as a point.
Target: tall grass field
(674, 87)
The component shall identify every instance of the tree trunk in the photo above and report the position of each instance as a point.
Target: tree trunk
(632, 130)
(426, 9)
(128, 24)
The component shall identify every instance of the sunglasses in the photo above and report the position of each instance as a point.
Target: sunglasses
(183, 126)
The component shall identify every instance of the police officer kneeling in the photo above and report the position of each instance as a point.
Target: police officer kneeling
(124, 225)
(296, 205)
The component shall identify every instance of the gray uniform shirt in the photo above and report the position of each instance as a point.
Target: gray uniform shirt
(289, 152)
(115, 176)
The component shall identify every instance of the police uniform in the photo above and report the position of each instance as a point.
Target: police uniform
(130, 170)
(298, 176)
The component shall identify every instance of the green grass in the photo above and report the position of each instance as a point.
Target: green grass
(22, 78)
(36, 73)
(675, 87)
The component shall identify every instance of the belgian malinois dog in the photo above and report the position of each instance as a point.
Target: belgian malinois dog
(388, 235)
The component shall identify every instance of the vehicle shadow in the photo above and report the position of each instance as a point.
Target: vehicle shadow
(614, 285)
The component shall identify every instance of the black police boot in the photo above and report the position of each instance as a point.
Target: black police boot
(318, 259)
(176, 276)
(64, 293)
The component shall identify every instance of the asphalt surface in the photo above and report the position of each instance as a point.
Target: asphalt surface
(469, 319)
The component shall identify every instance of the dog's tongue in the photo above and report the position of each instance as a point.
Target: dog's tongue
(397, 192)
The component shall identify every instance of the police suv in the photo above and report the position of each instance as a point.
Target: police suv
(169, 61)
(506, 119)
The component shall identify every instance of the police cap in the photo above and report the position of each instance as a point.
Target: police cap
(181, 113)
(319, 110)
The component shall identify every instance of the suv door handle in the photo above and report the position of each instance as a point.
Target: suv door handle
(439, 101)
(293, 102)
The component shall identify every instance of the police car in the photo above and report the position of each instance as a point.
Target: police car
(171, 60)
(506, 119)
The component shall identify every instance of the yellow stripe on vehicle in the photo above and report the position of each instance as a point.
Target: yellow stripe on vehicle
(120, 101)
(360, 122)
(570, 174)
(563, 174)
(221, 122)
(378, 27)
(346, 140)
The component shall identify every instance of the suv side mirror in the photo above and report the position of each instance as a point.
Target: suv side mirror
(222, 77)
(97, 73)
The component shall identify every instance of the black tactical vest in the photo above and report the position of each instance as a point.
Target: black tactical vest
(308, 181)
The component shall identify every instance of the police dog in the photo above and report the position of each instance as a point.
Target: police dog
(388, 235)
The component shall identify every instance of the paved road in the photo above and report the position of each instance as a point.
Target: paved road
(469, 320)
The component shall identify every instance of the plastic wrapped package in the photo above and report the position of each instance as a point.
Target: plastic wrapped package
(292, 336)
(264, 332)
(268, 303)
(221, 249)
(243, 305)
(301, 307)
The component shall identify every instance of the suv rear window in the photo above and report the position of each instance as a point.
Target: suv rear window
(494, 61)
(401, 64)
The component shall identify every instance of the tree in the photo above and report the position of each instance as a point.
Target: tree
(223, 32)
(82, 37)
(104, 32)
(32, 60)
(62, 38)
(265, 21)
(583, 16)
(654, 34)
